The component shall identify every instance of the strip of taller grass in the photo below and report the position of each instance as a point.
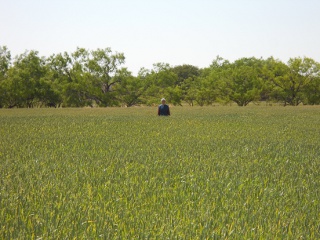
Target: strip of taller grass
(124, 173)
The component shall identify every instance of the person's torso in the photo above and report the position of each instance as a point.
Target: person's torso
(163, 109)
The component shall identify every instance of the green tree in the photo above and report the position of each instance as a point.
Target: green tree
(290, 86)
(174, 95)
(217, 75)
(271, 69)
(23, 84)
(98, 71)
(59, 74)
(204, 92)
(185, 72)
(157, 82)
(188, 88)
(104, 65)
(5, 62)
(240, 81)
(48, 95)
(186, 75)
(67, 73)
(86, 77)
(129, 88)
(311, 91)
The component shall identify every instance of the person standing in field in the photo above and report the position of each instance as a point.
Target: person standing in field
(163, 109)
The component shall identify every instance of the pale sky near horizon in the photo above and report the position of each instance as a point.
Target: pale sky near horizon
(169, 31)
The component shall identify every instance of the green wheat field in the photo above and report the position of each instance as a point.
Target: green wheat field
(222, 172)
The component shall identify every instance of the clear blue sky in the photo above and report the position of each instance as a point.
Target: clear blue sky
(170, 31)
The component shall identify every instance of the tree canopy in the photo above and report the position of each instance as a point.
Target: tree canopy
(98, 78)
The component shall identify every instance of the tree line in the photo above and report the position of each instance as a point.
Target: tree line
(98, 78)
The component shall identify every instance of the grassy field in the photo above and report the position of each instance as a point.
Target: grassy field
(124, 173)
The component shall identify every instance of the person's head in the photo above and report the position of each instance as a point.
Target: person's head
(163, 101)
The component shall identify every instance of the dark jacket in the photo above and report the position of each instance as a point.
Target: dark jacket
(163, 110)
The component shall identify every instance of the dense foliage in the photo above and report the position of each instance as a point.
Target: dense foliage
(97, 78)
(124, 173)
